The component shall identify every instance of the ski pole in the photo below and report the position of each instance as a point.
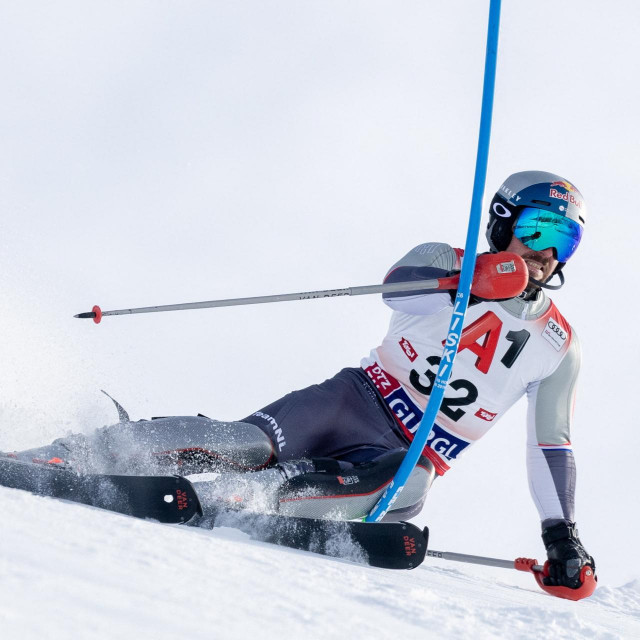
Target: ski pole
(529, 565)
(489, 562)
(500, 275)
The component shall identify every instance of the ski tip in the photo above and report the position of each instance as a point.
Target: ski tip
(95, 313)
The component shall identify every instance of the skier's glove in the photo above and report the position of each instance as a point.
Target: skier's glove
(566, 555)
(487, 269)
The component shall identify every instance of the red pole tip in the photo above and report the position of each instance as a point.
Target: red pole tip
(98, 311)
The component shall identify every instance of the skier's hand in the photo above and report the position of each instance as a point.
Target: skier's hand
(566, 556)
(499, 276)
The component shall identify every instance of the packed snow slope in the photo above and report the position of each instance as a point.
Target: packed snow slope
(71, 571)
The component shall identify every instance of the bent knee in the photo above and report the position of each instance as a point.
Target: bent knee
(353, 493)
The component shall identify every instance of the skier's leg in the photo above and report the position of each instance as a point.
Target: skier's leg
(182, 444)
(338, 448)
(336, 492)
(67, 451)
(321, 488)
(185, 444)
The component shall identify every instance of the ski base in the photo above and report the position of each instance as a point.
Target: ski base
(388, 545)
(169, 499)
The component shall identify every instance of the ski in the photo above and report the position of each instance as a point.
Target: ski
(173, 499)
(388, 545)
(169, 499)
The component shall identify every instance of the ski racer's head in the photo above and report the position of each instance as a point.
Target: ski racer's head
(540, 216)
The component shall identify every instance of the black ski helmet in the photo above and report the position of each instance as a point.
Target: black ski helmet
(538, 189)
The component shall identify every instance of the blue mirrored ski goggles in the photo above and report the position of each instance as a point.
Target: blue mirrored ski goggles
(539, 230)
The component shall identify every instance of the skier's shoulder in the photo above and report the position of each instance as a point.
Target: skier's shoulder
(432, 254)
(555, 318)
(559, 353)
(560, 333)
(541, 317)
(439, 252)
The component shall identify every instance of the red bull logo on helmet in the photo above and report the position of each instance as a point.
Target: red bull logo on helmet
(567, 197)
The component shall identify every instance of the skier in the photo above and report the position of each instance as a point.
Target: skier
(331, 449)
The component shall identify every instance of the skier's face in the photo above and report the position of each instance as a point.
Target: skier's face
(541, 264)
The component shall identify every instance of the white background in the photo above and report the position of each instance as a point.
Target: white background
(161, 152)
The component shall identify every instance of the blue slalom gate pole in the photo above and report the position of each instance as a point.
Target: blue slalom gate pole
(466, 277)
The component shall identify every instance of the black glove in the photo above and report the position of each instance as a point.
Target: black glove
(566, 555)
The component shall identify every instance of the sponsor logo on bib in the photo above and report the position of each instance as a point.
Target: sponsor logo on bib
(445, 443)
(384, 382)
(554, 334)
(409, 351)
(485, 415)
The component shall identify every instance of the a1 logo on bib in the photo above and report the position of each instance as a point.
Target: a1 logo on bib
(554, 334)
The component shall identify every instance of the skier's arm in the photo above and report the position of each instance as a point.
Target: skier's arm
(550, 463)
(552, 469)
(425, 262)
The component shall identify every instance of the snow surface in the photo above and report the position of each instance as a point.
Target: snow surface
(70, 571)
